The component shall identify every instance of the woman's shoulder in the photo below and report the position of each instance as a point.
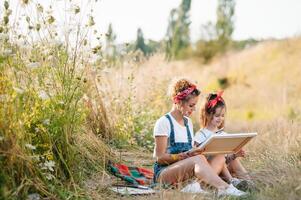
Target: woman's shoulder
(162, 126)
(163, 119)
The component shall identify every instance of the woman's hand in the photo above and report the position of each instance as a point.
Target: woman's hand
(195, 151)
(184, 155)
(241, 153)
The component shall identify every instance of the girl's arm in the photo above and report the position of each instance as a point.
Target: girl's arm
(195, 151)
(230, 157)
(164, 158)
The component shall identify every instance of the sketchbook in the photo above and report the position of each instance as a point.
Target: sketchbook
(133, 190)
(226, 143)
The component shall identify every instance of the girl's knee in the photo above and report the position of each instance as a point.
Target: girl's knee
(219, 159)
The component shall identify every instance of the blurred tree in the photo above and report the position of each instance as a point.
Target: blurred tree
(178, 30)
(225, 23)
(140, 44)
(217, 38)
(110, 50)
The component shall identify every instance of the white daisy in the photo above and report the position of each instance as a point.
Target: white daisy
(18, 90)
(33, 65)
(30, 146)
(43, 95)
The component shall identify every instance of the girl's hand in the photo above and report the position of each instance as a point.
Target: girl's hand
(241, 153)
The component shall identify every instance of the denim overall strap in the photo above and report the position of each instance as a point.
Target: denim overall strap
(178, 147)
(172, 132)
(188, 131)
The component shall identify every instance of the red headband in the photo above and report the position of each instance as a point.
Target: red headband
(214, 101)
(181, 95)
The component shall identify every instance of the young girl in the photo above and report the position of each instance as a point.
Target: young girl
(173, 133)
(212, 120)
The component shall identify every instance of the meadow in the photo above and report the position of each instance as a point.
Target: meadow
(65, 110)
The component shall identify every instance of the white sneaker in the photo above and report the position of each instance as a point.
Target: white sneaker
(194, 187)
(230, 191)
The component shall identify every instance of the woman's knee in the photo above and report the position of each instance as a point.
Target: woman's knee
(199, 160)
(218, 159)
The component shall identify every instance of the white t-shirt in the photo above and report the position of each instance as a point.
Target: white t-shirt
(162, 128)
(203, 134)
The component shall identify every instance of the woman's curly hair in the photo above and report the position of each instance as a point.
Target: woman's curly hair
(179, 85)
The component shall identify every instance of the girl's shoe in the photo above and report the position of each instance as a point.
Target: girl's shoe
(242, 184)
(235, 181)
(230, 191)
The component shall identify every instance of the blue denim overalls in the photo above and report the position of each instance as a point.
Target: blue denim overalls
(173, 148)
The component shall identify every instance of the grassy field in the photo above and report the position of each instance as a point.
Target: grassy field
(65, 110)
(260, 94)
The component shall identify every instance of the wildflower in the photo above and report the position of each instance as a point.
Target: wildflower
(18, 90)
(30, 146)
(49, 165)
(50, 176)
(35, 158)
(85, 97)
(3, 97)
(50, 19)
(43, 95)
(46, 122)
(40, 8)
(50, 58)
(106, 70)
(33, 196)
(25, 1)
(7, 52)
(3, 36)
(49, 157)
(76, 9)
(33, 65)
(91, 21)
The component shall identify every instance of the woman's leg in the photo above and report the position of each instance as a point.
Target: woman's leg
(238, 169)
(196, 166)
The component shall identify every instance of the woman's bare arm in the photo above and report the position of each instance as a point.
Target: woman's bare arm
(162, 156)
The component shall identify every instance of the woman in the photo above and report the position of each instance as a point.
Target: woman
(173, 132)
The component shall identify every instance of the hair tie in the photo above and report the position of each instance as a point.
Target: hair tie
(181, 95)
(214, 101)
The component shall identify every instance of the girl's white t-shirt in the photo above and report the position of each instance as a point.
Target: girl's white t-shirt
(162, 128)
(203, 134)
